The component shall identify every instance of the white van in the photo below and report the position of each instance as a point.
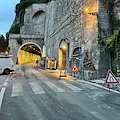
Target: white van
(6, 65)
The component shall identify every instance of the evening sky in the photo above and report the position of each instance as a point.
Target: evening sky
(7, 14)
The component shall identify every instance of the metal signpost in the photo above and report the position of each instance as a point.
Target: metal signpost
(74, 65)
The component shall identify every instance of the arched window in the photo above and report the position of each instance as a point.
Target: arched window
(77, 51)
(38, 13)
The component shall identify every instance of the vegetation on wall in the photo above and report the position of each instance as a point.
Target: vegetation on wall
(20, 11)
(15, 29)
(19, 41)
(4, 43)
(112, 43)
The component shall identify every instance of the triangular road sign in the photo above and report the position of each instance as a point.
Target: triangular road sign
(75, 68)
(111, 78)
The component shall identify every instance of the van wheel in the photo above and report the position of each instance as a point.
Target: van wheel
(6, 71)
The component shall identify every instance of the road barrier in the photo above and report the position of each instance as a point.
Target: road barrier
(72, 66)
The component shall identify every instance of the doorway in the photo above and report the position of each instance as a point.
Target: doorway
(63, 54)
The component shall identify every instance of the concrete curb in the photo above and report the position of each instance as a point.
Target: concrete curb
(100, 85)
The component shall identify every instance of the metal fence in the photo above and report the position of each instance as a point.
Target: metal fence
(69, 62)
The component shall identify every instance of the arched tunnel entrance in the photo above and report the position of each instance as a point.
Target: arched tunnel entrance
(28, 53)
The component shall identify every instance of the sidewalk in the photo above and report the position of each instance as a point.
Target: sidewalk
(111, 86)
(100, 81)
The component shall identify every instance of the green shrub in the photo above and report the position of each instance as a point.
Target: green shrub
(15, 29)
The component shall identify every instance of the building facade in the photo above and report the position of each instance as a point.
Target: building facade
(73, 24)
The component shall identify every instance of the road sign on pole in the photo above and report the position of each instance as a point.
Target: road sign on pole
(82, 49)
(75, 68)
(111, 78)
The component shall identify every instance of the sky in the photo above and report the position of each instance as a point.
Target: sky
(7, 15)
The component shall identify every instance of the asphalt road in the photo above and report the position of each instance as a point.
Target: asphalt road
(30, 95)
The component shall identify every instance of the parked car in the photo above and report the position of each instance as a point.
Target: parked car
(6, 64)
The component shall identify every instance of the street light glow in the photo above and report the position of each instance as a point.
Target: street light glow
(86, 10)
(64, 47)
(6, 52)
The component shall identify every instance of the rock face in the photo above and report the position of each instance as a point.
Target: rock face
(65, 22)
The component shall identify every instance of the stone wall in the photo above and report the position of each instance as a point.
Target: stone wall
(117, 9)
(78, 27)
(66, 20)
(34, 20)
(26, 57)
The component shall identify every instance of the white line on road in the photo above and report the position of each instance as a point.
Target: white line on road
(74, 88)
(17, 90)
(3, 92)
(97, 85)
(54, 87)
(39, 75)
(36, 88)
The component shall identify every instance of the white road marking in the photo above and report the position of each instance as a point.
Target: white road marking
(36, 88)
(39, 75)
(17, 90)
(7, 80)
(100, 86)
(54, 87)
(2, 93)
(74, 88)
(5, 84)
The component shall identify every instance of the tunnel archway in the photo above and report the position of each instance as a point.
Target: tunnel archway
(28, 53)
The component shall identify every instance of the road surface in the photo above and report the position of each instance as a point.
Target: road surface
(29, 94)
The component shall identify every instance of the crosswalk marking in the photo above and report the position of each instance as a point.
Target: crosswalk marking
(2, 93)
(36, 88)
(39, 75)
(17, 90)
(54, 87)
(74, 88)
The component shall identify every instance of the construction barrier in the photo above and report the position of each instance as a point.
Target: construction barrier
(48, 63)
(72, 66)
(51, 63)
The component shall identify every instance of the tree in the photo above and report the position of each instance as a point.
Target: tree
(3, 43)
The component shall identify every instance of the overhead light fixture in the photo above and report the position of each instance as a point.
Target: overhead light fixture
(86, 10)
(64, 47)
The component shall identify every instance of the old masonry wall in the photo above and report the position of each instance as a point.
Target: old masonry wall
(67, 20)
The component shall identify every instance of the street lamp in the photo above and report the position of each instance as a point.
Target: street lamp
(86, 10)
(64, 47)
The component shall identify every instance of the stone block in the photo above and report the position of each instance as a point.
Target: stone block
(90, 75)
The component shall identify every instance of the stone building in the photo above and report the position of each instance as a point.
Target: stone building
(70, 24)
